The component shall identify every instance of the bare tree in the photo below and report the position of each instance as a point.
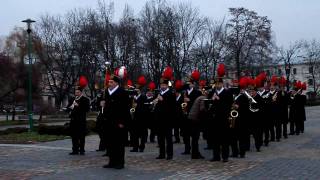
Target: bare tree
(249, 36)
(288, 57)
(312, 59)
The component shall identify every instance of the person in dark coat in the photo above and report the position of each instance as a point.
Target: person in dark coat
(264, 114)
(256, 123)
(240, 140)
(165, 117)
(284, 103)
(297, 114)
(117, 113)
(100, 122)
(78, 127)
(139, 123)
(190, 131)
(220, 133)
(179, 113)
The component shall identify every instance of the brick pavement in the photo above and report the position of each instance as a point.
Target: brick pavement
(293, 158)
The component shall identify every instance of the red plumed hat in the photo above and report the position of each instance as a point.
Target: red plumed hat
(152, 86)
(221, 70)
(243, 83)
(298, 85)
(178, 85)
(83, 82)
(129, 83)
(304, 86)
(195, 75)
(142, 81)
(282, 81)
(274, 80)
(167, 73)
(202, 83)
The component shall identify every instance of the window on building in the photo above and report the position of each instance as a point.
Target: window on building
(294, 70)
(310, 82)
(310, 69)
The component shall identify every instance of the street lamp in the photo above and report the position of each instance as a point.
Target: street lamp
(30, 108)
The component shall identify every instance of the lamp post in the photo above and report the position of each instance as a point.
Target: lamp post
(30, 108)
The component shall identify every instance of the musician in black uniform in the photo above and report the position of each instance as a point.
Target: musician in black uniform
(78, 125)
(100, 123)
(240, 138)
(274, 112)
(165, 117)
(256, 123)
(190, 96)
(139, 122)
(117, 114)
(223, 101)
(179, 113)
(297, 111)
(284, 103)
(264, 113)
(150, 96)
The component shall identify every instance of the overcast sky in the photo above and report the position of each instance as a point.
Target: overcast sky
(292, 20)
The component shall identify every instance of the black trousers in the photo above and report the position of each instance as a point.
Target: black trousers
(116, 146)
(139, 137)
(238, 141)
(195, 135)
(285, 129)
(220, 143)
(102, 143)
(78, 142)
(165, 142)
(257, 133)
(186, 131)
(278, 127)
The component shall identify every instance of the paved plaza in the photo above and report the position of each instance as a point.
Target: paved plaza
(297, 157)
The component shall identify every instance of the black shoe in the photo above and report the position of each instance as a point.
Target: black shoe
(81, 153)
(235, 156)
(242, 156)
(185, 153)
(272, 140)
(278, 140)
(134, 150)
(225, 160)
(258, 150)
(73, 153)
(118, 166)
(169, 158)
(266, 144)
(286, 137)
(141, 150)
(160, 157)
(297, 134)
(198, 156)
(108, 166)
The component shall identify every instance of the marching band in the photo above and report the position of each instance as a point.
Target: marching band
(225, 116)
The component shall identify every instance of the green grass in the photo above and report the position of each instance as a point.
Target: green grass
(29, 137)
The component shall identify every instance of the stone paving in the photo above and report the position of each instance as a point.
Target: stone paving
(295, 158)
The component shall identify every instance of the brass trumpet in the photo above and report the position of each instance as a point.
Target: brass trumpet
(233, 116)
(184, 105)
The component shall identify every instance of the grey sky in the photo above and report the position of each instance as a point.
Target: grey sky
(292, 20)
